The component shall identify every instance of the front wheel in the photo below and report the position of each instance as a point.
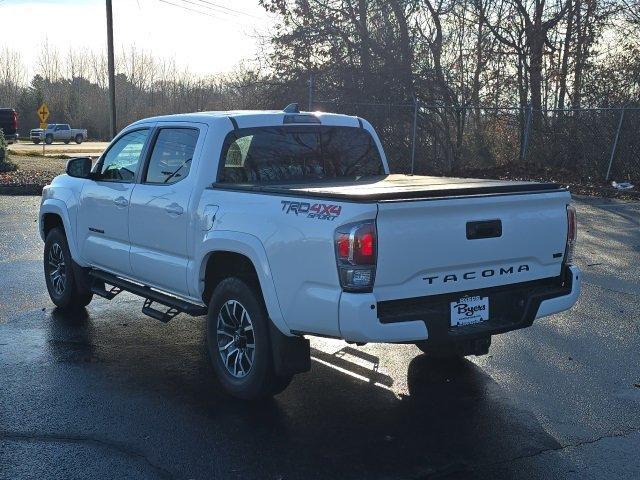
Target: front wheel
(58, 271)
(48, 139)
(66, 142)
(79, 139)
(36, 141)
(239, 343)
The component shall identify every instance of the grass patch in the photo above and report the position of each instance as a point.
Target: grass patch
(38, 171)
(62, 156)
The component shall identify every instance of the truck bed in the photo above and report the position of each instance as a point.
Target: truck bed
(397, 187)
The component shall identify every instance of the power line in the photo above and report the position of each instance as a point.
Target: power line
(208, 7)
(190, 9)
(230, 18)
(222, 7)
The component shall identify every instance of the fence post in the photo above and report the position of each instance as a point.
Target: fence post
(615, 144)
(525, 137)
(311, 79)
(413, 140)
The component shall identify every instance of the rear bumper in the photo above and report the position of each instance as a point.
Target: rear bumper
(364, 319)
(11, 137)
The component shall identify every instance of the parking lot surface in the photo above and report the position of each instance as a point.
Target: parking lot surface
(114, 394)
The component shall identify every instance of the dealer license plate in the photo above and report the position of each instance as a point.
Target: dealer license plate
(469, 310)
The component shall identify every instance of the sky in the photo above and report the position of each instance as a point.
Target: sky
(206, 36)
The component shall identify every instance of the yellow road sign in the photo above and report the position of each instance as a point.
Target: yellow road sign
(43, 125)
(43, 113)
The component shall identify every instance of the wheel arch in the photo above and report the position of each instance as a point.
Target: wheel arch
(227, 253)
(53, 212)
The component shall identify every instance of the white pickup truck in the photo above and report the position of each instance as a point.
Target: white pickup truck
(281, 224)
(61, 132)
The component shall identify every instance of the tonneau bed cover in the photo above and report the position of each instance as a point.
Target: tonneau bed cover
(397, 187)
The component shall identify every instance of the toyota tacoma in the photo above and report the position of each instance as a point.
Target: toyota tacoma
(278, 225)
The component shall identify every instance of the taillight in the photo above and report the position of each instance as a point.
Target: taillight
(356, 256)
(572, 234)
(14, 121)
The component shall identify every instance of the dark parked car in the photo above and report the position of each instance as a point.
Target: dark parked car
(9, 124)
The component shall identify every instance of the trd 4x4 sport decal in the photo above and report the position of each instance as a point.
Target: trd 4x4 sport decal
(320, 211)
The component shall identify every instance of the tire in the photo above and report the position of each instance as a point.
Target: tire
(36, 141)
(59, 275)
(79, 139)
(66, 142)
(48, 139)
(245, 372)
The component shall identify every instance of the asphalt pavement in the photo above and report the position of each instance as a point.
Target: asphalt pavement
(111, 393)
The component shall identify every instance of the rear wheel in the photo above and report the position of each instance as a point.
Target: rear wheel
(66, 142)
(79, 139)
(58, 271)
(239, 343)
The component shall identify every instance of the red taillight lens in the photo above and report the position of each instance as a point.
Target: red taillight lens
(364, 245)
(356, 256)
(343, 246)
(14, 121)
(572, 234)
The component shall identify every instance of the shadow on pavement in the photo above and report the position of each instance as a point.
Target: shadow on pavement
(136, 384)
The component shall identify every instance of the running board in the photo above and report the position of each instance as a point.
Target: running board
(164, 317)
(174, 305)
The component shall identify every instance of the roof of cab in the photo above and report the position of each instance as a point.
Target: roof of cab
(253, 118)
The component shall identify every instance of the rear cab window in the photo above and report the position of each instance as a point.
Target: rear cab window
(172, 153)
(282, 154)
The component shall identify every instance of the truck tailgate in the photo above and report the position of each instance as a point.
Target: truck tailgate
(424, 249)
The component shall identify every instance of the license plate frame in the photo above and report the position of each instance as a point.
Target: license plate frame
(469, 310)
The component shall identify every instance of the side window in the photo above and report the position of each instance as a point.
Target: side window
(172, 153)
(237, 153)
(121, 160)
(64, 127)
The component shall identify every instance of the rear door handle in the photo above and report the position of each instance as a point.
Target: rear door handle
(174, 209)
(121, 202)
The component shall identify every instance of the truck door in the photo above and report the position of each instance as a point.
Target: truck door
(159, 217)
(63, 133)
(58, 133)
(103, 216)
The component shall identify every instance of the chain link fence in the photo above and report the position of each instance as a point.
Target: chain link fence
(573, 145)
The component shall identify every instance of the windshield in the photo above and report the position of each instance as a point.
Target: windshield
(298, 153)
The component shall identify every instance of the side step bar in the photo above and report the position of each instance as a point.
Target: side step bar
(174, 305)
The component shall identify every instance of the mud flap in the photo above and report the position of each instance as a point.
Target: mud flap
(290, 354)
(81, 277)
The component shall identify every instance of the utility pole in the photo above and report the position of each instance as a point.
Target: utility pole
(413, 135)
(111, 66)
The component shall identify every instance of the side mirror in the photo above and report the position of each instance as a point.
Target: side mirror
(79, 167)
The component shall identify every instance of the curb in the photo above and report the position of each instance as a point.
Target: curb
(24, 189)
